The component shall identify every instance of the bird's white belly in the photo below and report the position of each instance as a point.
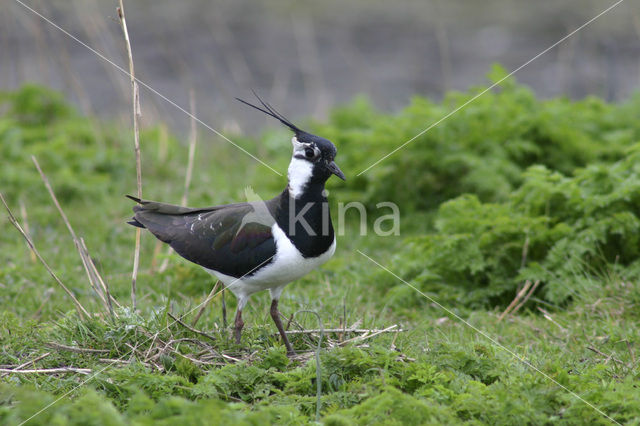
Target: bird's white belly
(287, 265)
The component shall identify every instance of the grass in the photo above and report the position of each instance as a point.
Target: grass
(148, 369)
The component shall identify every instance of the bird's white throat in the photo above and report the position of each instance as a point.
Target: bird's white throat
(299, 174)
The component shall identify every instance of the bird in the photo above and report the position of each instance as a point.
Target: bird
(257, 245)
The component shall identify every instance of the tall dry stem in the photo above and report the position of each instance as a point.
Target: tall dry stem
(135, 100)
(193, 133)
(96, 281)
(82, 312)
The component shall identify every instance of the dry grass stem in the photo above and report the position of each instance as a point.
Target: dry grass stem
(517, 300)
(136, 138)
(192, 147)
(202, 353)
(121, 361)
(188, 327)
(390, 329)
(33, 361)
(98, 277)
(53, 197)
(548, 316)
(47, 370)
(526, 298)
(25, 223)
(82, 312)
(366, 336)
(608, 357)
(96, 281)
(89, 273)
(205, 304)
(61, 347)
(153, 342)
(192, 154)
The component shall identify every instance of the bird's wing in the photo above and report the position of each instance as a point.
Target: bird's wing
(218, 238)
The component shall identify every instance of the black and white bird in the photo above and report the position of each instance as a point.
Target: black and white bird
(257, 245)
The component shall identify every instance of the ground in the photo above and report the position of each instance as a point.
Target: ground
(448, 353)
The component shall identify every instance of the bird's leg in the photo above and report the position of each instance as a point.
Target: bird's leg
(276, 318)
(238, 325)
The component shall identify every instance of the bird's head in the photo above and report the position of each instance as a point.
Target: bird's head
(313, 157)
(319, 152)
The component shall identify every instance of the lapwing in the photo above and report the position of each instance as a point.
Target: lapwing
(258, 245)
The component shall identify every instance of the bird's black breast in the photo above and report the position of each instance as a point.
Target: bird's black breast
(306, 221)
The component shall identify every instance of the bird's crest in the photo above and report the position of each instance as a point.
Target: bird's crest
(271, 111)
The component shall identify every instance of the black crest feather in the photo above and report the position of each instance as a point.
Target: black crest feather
(271, 111)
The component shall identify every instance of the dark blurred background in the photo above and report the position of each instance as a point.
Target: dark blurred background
(306, 57)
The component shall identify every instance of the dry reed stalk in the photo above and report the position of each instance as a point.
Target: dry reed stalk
(192, 146)
(53, 197)
(82, 312)
(193, 330)
(187, 178)
(96, 281)
(101, 281)
(205, 303)
(548, 316)
(122, 362)
(390, 329)
(136, 138)
(75, 349)
(521, 304)
(92, 281)
(365, 336)
(25, 222)
(47, 370)
(516, 299)
(608, 357)
(33, 361)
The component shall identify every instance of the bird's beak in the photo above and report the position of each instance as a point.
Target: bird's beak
(333, 168)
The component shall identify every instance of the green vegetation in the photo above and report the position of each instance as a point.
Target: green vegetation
(483, 149)
(508, 190)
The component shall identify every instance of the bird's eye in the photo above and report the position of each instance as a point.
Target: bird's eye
(309, 153)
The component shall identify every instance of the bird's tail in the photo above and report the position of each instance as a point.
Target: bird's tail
(134, 221)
